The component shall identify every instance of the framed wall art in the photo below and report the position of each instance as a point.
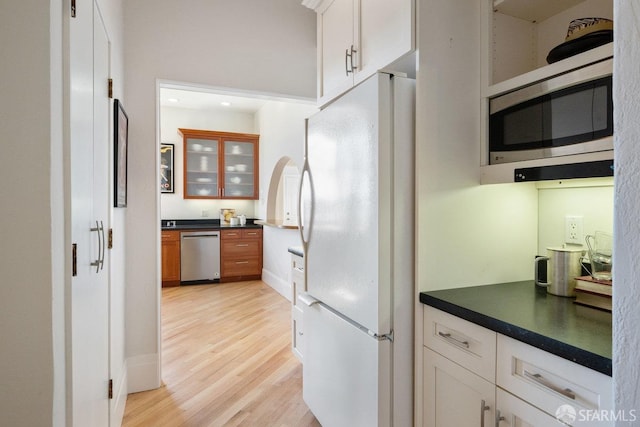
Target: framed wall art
(166, 168)
(121, 142)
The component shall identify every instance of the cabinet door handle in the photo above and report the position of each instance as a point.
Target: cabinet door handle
(567, 392)
(348, 60)
(483, 408)
(499, 418)
(447, 336)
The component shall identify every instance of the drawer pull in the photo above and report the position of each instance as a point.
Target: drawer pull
(242, 262)
(300, 269)
(447, 336)
(242, 245)
(545, 383)
(483, 408)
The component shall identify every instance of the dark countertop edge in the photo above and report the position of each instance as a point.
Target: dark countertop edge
(276, 224)
(550, 345)
(208, 227)
(296, 251)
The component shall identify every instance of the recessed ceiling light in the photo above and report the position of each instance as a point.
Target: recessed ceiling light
(173, 100)
(225, 103)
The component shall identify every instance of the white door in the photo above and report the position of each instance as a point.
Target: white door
(89, 112)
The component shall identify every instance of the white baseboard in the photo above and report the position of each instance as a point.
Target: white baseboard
(119, 401)
(283, 287)
(143, 372)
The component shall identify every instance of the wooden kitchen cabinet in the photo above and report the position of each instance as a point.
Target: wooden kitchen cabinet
(170, 258)
(357, 38)
(241, 254)
(220, 165)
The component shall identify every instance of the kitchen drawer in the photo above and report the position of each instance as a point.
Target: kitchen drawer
(297, 264)
(233, 233)
(463, 342)
(297, 332)
(547, 381)
(252, 233)
(241, 266)
(241, 233)
(241, 248)
(170, 236)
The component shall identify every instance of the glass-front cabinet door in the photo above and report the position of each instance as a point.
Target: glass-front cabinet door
(201, 168)
(220, 165)
(239, 173)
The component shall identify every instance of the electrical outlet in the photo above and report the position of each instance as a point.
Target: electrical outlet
(573, 230)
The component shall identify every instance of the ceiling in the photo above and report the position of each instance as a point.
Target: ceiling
(206, 100)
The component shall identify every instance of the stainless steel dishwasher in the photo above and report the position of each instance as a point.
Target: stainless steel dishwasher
(199, 256)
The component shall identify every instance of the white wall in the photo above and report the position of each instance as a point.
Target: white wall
(281, 135)
(249, 45)
(30, 82)
(626, 297)
(468, 234)
(593, 204)
(173, 205)
(33, 241)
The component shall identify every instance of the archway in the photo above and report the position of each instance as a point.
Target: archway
(282, 197)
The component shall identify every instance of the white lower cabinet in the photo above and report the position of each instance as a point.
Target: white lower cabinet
(473, 376)
(553, 384)
(297, 287)
(514, 412)
(455, 396)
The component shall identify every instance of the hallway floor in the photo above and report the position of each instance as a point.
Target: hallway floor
(226, 361)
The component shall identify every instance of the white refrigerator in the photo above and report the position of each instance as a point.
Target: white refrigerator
(357, 226)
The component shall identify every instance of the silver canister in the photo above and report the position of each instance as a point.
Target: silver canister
(562, 269)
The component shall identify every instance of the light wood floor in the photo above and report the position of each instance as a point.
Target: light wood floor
(226, 361)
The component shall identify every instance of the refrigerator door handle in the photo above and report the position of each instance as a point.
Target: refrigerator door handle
(305, 172)
(308, 299)
(384, 337)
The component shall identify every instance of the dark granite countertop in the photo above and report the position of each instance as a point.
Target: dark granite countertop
(202, 224)
(522, 311)
(296, 250)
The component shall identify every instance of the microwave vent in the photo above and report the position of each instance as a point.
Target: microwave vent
(597, 169)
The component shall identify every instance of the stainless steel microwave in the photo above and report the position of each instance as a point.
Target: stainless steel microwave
(568, 114)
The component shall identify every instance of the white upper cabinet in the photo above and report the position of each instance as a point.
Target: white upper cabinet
(356, 38)
(337, 46)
